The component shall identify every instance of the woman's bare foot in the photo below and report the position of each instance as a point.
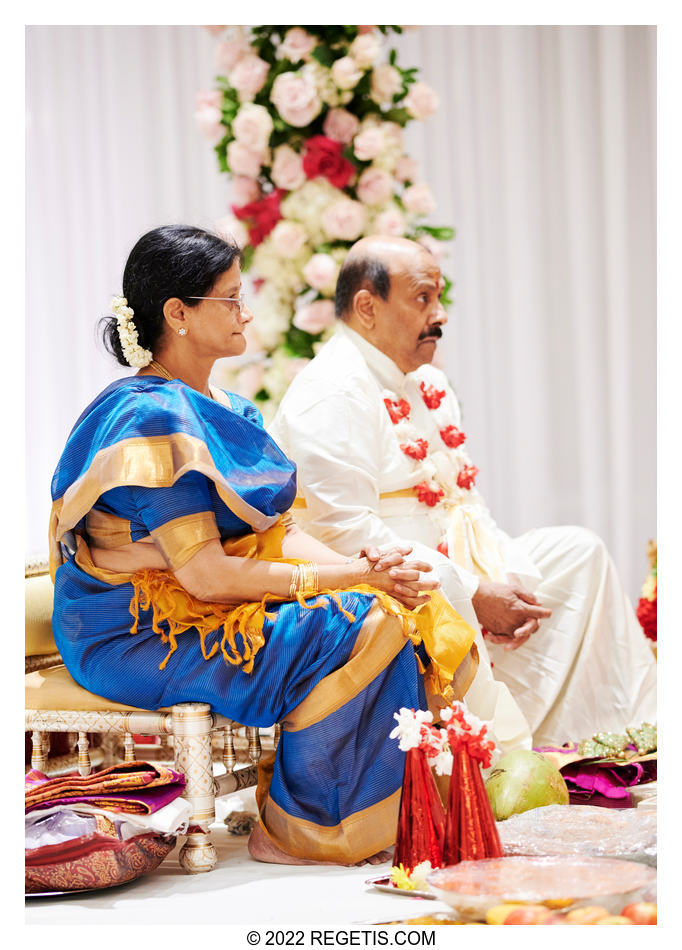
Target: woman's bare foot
(261, 848)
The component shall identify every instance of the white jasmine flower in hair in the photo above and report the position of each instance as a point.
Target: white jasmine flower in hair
(134, 354)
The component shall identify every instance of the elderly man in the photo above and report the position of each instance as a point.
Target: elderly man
(375, 432)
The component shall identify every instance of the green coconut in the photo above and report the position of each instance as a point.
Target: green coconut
(523, 780)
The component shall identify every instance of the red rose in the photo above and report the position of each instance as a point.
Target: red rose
(416, 450)
(647, 614)
(324, 158)
(397, 410)
(428, 494)
(432, 397)
(467, 476)
(260, 216)
(452, 436)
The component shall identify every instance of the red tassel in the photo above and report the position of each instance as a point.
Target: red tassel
(470, 830)
(421, 821)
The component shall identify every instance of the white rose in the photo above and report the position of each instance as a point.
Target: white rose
(369, 143)
(345, 73)
(288, 238)
(365, 50)
(296, 45)
(390, 222)
(253, 126)
(287, 168)
(386, 83)
(418, 199)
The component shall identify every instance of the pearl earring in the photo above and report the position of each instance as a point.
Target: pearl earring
(182, 331)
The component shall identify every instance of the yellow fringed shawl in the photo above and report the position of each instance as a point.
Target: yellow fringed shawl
(446, 636)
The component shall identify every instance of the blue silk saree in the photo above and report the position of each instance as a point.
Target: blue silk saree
(156, 461)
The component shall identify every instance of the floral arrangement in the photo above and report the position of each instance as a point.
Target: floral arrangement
(309, 123)
(647, 607)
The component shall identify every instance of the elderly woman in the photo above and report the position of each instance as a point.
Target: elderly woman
(179, 576)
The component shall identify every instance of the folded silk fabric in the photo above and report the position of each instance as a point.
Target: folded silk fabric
(601, 781)
(137, 788)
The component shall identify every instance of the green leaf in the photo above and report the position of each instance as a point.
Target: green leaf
(300, 343)
(392, 56)
(247, 257)
(324, 55)
(441, 234)
(261, 396)
(401, 116)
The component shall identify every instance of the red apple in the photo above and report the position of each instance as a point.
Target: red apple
(586, 915)
(641, 912)
(530, 914)
(615, 919)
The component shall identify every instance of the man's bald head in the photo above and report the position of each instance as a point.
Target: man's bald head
(370, 264)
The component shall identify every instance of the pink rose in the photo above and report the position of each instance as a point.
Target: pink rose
(393, 134)
(288, 238)
(249, 379)
(345, 73)
(252, 126)
(375, 186)
(365, 29)
(287, 168)
(344, 219)
(249, 75)
(418, 199)
(209, 116)
(296, 45)
(340, 125)
(369, 143)
(365, 50)
(434, 247)
(244, 190)
(315, 316)
(386, 83)
(243, 160)
(406, 169)
(293, 367)
(390, 222)
(232, 231)
(321, 272)
(295, 98)
(229, 52)
(421, 101)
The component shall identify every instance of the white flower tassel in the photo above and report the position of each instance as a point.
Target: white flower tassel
(410, 727)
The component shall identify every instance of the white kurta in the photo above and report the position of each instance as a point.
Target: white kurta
(588, 667)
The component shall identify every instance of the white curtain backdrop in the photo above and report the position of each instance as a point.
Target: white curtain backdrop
(542, 155)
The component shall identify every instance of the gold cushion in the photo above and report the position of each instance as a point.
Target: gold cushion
(39, 595)
(55, 689)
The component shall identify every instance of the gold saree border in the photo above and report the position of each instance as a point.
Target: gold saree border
(108, 530)
(151, 462)
(180, 538)
(380, 639)
(300, 502)
(356, 837)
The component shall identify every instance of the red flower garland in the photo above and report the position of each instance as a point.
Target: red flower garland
(416, 450)
(427, 494)
(467, 476)
(432, 397)
(397, 409)
(452, 436)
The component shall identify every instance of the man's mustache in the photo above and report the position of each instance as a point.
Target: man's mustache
(434, 332)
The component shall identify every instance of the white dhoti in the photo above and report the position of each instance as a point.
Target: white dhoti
(588, 667)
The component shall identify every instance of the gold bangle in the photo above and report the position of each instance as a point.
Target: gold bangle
(295, 580)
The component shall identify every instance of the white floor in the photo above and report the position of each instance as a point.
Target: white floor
(238, 891)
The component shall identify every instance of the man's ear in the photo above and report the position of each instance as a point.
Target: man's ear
(363, 308)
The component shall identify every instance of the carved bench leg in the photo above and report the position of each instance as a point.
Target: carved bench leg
(192, 724)
(38, 751)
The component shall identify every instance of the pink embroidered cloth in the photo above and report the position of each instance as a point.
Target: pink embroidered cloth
(605, 782)
(138, 788)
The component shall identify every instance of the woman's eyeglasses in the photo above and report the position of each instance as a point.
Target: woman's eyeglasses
(238, 300)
